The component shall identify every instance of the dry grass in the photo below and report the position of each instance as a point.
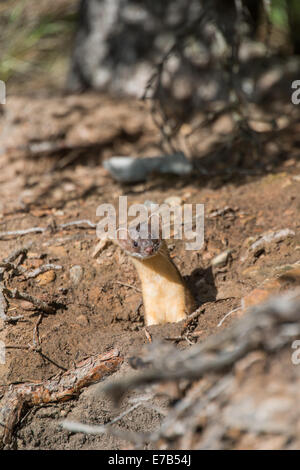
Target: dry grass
(35, 42)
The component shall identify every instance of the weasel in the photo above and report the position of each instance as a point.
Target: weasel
(166, 296)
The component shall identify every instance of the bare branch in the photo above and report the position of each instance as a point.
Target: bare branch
(15, 294)
(74, 223)
(42, 269)
(261, 328)
(59, 388)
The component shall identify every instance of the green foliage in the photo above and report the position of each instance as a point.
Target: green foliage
(279, 16)
(34, 36)
(285, 15)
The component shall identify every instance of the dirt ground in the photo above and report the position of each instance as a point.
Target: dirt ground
(51, 173)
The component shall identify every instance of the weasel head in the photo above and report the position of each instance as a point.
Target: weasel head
(140, 246)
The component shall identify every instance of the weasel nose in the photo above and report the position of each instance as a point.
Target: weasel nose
(149, 250)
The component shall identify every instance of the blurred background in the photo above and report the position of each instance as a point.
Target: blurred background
(38, 38)
(188, 57)
(205, 86)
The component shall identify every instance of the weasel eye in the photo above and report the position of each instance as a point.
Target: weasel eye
(135, 244)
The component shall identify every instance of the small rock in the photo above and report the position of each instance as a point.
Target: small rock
(68, 187)
(133, 170)
(256, 247)
(46, 278)
(221, 259)
(269, 237)
(76, 274)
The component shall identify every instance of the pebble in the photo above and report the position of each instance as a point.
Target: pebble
(221, 259)
(76, 274)
(269, 237)
(45, 278)
(254, 246)
(133, 170)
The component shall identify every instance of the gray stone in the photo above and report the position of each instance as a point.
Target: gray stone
(133, 170)
(76, 274)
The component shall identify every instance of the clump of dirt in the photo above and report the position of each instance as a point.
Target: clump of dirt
(52, 174)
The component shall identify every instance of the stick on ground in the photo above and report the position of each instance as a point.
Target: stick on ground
(59, 388)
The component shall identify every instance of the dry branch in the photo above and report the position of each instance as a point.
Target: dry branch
(59, 388)
(3, 304)
(42, 269)
(264, 331)
(263, 328)
(19, 233)
(6, 265)
(39, 304)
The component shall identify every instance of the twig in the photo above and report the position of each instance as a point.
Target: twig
(3, 304)
(227, 315)
(16, 253)
(130, 436)
(77, 223)
(74, 426)
(4, 307)
(127, 435)
(192, 317)
(59, 388)
(27, 231)
(261, 328)
(22, 232)
(128, 285)
(148, 336)
(42, 269)
(36, 336)
(15, 294)
(7, 263)
(184, 335)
